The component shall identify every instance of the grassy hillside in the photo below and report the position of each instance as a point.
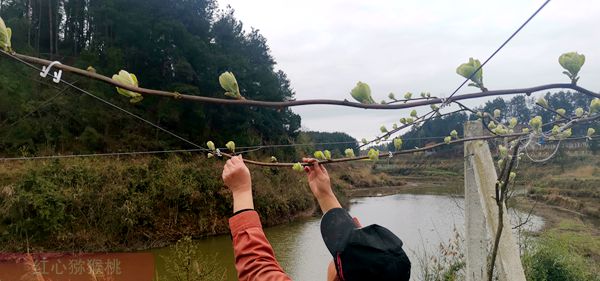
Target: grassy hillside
(112, 204)
(115, 204)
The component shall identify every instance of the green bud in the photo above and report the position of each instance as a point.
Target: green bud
(403, 120)
(231, 146)
(500, 130)
(210, 145)
(209, 155)
(327, 154)
(364, 141)
(362, 93)
(497, 113)
(512, 176)
(500, 162)
(383, 129)
(467, 69)
(319, 155)
(395, 126)
(454, 134)
(479, 114)
(595, 106)
(408, 95)
(525, 130)
(566, 133)
(579, 112)
(397, 144)
(273, 159)
(434, 107)
(561, 111)
(392, 96)
(91, 69)
(413, 113)
(373, 154)
(503, 151)
(5, 37)
(591, 132)
(423, 94)
(555, 130)
(409, 120)
(136, 99)
(572, 63)
(130, 79)
(297, 167)
(349, 153)
(230, 85)
(492, 125)
(536, 123)
(542, 102)
(447, 139)
(512, 123)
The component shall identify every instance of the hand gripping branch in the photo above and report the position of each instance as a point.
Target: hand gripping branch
(46, 70)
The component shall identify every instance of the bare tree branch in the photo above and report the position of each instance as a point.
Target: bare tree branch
(501, 192)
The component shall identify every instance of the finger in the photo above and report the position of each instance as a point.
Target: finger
(238, 160)
(356, 222)
(225, 174)
(241, 160)
(231, 160)
(318, 168)
(226, 170)
(324, 170)
(307, 168)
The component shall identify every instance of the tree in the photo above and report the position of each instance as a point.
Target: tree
(179, 45)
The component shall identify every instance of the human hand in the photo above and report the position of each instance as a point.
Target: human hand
(318, 178)
(236, 177)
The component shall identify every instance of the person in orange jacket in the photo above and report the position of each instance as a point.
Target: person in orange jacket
(359, 253)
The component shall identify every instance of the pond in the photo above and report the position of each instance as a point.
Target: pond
(422, 221)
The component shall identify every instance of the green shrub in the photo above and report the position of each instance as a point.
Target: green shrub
(552, 259)
(187, 263)
(112, 204)
(91, 140)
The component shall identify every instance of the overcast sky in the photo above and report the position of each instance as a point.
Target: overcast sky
(325, 47)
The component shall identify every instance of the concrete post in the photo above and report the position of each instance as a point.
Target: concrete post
(475, 229)
(484, 175)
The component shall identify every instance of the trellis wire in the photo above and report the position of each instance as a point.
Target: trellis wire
(445, 100)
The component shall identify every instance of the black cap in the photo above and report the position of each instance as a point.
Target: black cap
(368, 253)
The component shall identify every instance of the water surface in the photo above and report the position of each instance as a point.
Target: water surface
(421, 221)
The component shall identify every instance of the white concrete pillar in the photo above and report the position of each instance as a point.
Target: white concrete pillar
(475, 225)
(478, 159)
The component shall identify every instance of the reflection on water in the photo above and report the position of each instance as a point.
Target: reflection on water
(421, 221)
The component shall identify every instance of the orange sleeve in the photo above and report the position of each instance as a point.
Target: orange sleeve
(254, 256)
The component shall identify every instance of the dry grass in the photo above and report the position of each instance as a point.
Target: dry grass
(587, 171)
